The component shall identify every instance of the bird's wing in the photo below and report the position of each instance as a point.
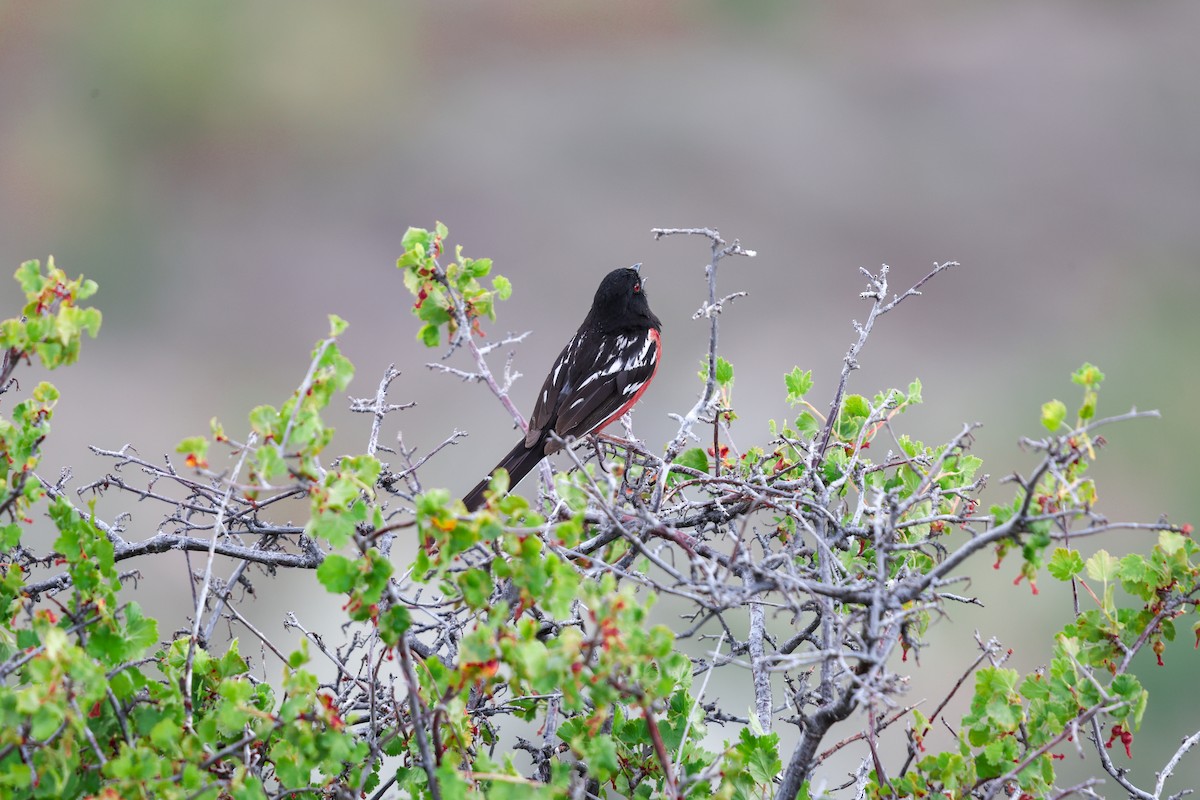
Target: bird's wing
(557, 383)
(611, 373)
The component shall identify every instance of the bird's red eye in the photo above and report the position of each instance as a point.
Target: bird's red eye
(637, 287)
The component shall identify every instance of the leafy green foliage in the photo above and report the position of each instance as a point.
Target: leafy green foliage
(798, 383)
(66, 692)
(724, 372)
(88, 705)
(364, 579)
(51, 327)
(21, 438)
(449, 297)
(1014, 723)
(52, 323)
(1054, 412)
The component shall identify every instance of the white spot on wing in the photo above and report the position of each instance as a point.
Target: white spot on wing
(620, 345)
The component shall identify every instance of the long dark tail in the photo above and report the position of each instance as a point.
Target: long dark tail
(519, 461)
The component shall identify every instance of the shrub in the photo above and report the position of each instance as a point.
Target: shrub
(518, 655)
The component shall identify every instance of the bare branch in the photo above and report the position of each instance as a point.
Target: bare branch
(201, 603)
(704, 405)
(378, 406)
(1165, 773)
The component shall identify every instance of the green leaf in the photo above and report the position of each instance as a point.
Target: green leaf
(476, 587)
(337, 573)
(798, 383)
(29, 275)
(89, 320)
(1053, 414)
(1137, 577)
(50, 353)
(1129, 689)
(416, 238)
(298, 658)
(854, 412)
(40, 328)
(484, 306)
(1035, 687)
(165, 735)
(429, 335)
(433, 312)
(724, 373)
(1088, 375)
(265, 421)
(502, 286)
(332, 525)
(233, 710)
(141, 632)
(271, 465)
(477, 267)
(760, 754)
(1103, 566)
(14, 334)
(694, 458)
(856, 405)
(10, 537)
(195, 449)
(250, 787)
(1172, 542)
(46, 718)
(1065, 564)
(45, 393)
(291, 766)
(806, 424)
(364, 469)
(601, 753)
(393, 623)
(337, 326)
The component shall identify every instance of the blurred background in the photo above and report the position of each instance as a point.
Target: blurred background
(230, 173)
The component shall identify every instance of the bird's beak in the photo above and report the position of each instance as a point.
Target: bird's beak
(637, 268)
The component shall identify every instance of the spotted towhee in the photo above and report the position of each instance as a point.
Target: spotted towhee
(599, 375)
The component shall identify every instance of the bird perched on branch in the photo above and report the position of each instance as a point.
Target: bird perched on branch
(604, 369)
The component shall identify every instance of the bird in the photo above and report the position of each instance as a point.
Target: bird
(603, 370)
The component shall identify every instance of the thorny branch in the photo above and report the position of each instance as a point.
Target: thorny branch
(711, 310)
